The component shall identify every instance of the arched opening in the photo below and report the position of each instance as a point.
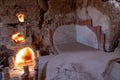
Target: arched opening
(64, 34)
(86, 36)
(83, 36)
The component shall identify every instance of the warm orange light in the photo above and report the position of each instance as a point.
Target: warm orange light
(25, 55)
(20, 17)
(18, 38)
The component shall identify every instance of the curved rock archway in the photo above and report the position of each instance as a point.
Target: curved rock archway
(66, 33)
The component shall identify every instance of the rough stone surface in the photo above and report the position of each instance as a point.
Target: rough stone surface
(43, 15)
(9, 22)
(102, 13)
(112, 12)
(70, 72)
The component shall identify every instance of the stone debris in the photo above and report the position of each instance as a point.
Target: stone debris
(70, 72)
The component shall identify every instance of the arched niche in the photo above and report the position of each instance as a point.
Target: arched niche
(86, 36)
(64, 34)
(58, 35)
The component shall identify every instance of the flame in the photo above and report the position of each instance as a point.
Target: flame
(25, 55)
(18, 38)
(20, 17)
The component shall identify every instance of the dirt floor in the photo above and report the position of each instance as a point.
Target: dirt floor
(91, 60)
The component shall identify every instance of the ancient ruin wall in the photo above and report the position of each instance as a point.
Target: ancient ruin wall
(109, 9)
(59, 11)
(33, 11)
(42, 15)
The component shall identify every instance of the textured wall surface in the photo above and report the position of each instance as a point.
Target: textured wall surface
(103, 13)
(89, 38)
(43, 14)
(65, 34)
(112, 12)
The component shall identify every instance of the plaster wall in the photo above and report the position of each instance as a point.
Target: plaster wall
(65, 34)
(86, 36)
(98, 19)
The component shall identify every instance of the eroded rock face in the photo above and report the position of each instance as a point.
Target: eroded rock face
(9, 24)
(103, 13)
(111, 11)
(43, 15)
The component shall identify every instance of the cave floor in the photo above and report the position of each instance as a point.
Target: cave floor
(78, 47)
(74, 47)
(92, 60)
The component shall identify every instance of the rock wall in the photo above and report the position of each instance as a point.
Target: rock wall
(103, 13)
(33, 10)
(112, 33)
(59, 12)
(43, 15)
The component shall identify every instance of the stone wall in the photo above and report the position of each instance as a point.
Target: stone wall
(112, 21)
(9, 22)
(102, 13)
(43, 15)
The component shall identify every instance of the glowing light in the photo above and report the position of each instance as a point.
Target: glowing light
(20, 17)
(18, 38)
(25, 55)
